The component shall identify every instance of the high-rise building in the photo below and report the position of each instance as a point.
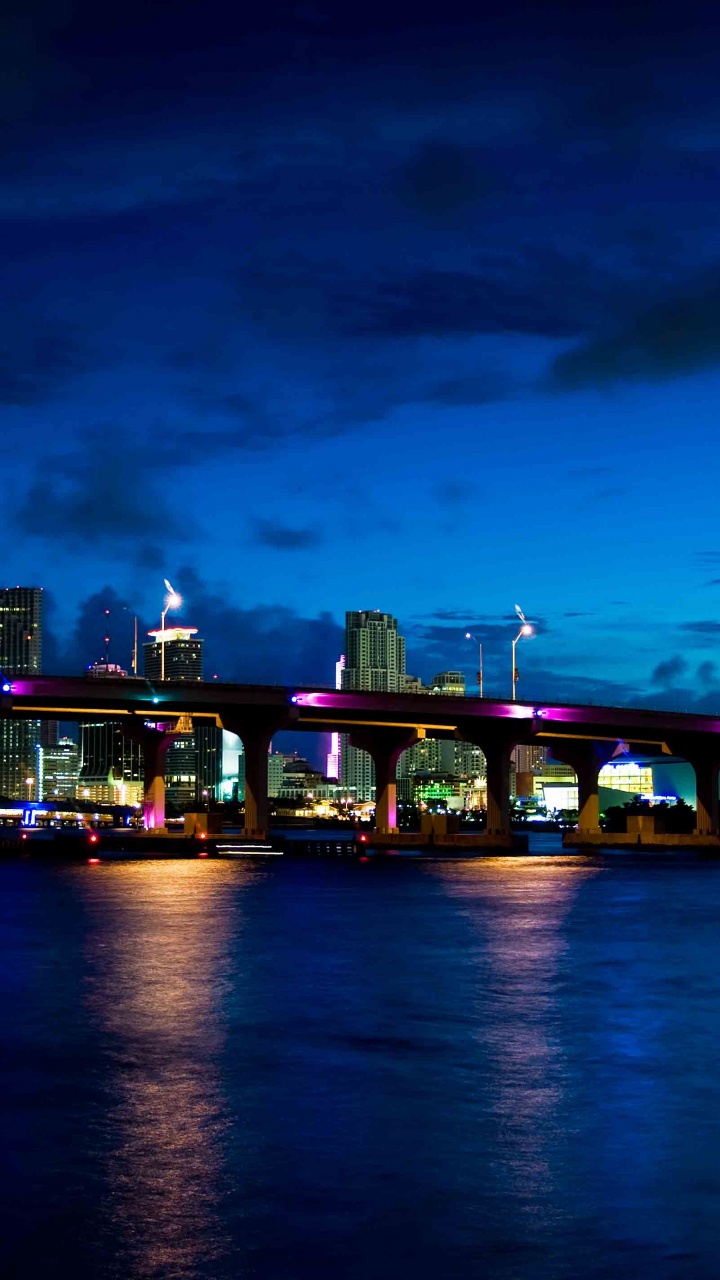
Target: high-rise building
(193, 769)
(374, 661)
(20, 654)
(111, 762)
(58, 770)
(374, 653)
(333, 760)
(183, 654)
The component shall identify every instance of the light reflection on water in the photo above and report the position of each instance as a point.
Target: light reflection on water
(158, 968)
(501, 1067)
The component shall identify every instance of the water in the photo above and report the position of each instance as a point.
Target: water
(289, 1070)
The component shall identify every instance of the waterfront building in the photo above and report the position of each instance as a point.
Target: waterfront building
(58, 769)
(374, 661)
(21, 627)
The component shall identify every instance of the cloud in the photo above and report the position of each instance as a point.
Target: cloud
(667, 673)
(442, 178)
(267, 644)
(677, 336)
(284, 537)
(37, 358)
(706, 627)
(259, 644)
(100, 496)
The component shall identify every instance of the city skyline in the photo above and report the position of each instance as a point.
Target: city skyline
(314, 309)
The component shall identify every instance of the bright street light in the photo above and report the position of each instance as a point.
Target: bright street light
(525, 630)
(172, 601)
(469, 636)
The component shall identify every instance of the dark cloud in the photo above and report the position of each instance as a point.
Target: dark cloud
(283, 537)
(707, 674)
(249, 645)
(262, 644)
(442, 178)
(669, 672)
(705, 627)
(479, 388)
(534, 291)
(99, 496)
(37, 359)
(714, 582)
(678, 335)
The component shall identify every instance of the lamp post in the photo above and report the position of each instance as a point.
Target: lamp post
(525, 630)
(470, 636)
(172, 601)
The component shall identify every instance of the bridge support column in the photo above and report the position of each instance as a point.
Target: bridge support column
(385, 746)
(257, 733)
(155, 743)
(706, 762)
(586, 758)
(497, 761)
(497, 746)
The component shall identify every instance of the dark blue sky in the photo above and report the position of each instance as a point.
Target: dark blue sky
(324, 307)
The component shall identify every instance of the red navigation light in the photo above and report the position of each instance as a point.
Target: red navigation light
(93, 839)
(24, 835)
(93, 861)
(364, 858)
(363, 838)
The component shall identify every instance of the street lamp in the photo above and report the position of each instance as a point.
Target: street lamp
(470, 636)
(525, 630)
(172, 601)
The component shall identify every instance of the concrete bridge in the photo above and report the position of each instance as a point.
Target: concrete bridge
(384, 724)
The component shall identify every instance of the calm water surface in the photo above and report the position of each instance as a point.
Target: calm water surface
(501, 1068)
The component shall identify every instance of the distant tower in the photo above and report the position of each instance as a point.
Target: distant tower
(183, 654)
(333, 760)
(194, 761)
(374, 661)
(20, 655)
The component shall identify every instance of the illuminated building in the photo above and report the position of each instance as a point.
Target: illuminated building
(111, 762)
(58, 769)
(193, 764)
(20, 654)
(375, 661)
(634, 779)
(449, 683)
(333, 760)
(183, 654)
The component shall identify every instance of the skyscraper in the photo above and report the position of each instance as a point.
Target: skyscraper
(20, 654)
(111, 762)
(194, 760)
(375, 661)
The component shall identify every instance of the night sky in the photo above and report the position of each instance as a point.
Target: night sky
(313, 307)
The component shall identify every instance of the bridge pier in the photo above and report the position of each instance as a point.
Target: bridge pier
(586, 758)
(385, 745)
(155, 743)
(497, 747)
(705, 760)
(257, 732)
